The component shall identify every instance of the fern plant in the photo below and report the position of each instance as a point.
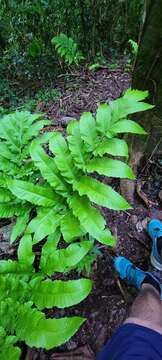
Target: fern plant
(134, 47)
(17, 130)
(64, 199)
(86, 264)
(68, 191)
(67, 49)
(24, 293)
(134, 52)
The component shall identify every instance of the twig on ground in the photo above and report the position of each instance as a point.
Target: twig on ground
(143, 196)
(122, 290)
(153, 152)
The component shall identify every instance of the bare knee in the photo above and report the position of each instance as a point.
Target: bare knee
(147, 309)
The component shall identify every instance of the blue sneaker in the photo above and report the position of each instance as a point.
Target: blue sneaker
(133, 275)
(154, 229)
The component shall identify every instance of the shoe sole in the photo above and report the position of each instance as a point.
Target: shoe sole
(155, 263)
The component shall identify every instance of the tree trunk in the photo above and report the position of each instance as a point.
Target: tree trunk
(147, 76)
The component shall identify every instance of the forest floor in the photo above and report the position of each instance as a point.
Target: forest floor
(107, 306)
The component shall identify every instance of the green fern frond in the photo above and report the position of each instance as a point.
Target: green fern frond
(45, 223)
(114, 147)
(20, 225)
(63, 158)
(88, 131)
(8, 167)
(136, 95)
(62, 294)
(7, 349)
(67, 49)
(134, 46)
(25, 253)
(3, 180)
(70, 227)
(100, 194)
(9, 209)
(44, 333)
(8, 154)
(62, 260)
(77, 147)
(130, 103)
(127, 126)
(35, 194)
(34, 130)
(17, 129)
(90, 218)
(31, 325)
(5, 196)
(111, 168)
(13, 127)
(103, 118)
(48, 169)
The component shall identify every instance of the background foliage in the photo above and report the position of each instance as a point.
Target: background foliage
(100, 28)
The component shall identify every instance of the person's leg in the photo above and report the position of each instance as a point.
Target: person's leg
(147, 309)
(141, 334)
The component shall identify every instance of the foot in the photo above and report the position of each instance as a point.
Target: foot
(133, 275)
(154, 229)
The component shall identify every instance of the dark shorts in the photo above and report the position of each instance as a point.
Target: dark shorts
(133, 342)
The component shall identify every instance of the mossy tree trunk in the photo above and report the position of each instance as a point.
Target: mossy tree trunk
(147, 75)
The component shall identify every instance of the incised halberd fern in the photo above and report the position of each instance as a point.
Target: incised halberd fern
(61, 191)
(67, 191)
(17, 130)
(24, 293)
